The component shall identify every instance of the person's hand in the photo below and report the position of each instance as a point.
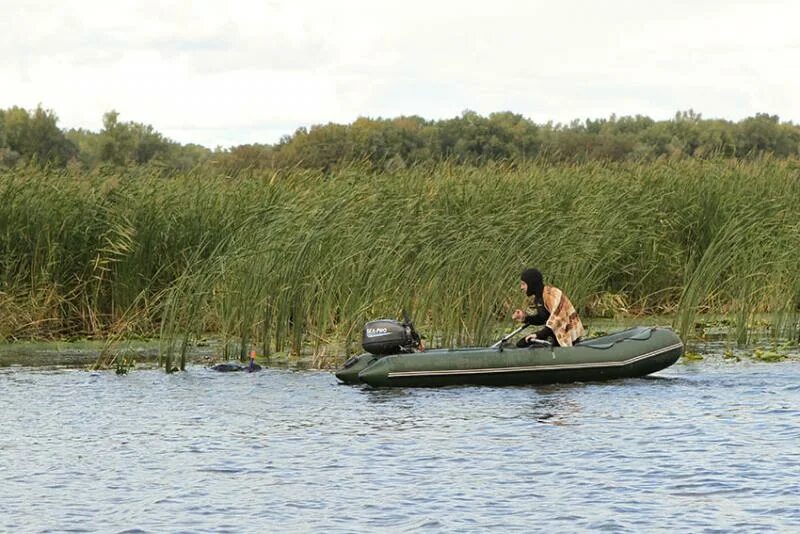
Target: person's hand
(530, 338)
(518, 315)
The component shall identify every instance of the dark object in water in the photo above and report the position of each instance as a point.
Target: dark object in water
(228, 367)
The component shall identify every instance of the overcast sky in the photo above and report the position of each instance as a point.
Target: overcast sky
(241, 71)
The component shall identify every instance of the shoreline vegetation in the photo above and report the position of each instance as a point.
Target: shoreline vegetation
(710, 340)
(282, 261)
(116, 235)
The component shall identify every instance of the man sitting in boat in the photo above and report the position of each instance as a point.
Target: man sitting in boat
(550, 307)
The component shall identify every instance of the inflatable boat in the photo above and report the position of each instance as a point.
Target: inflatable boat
(394, 359)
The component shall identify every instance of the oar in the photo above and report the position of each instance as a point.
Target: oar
(499, 344)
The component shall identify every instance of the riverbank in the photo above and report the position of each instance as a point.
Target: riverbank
(277, 261)
(711, 339)
(136, 354)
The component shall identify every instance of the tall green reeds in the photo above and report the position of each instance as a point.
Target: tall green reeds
(298, 261)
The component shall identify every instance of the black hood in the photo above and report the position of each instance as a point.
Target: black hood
(533, 278)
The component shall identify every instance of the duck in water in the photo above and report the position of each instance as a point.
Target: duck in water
(227, 367)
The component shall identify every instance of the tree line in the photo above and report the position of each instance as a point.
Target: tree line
(33, 136)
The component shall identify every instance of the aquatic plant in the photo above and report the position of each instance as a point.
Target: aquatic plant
(124, 364)
(297, 261)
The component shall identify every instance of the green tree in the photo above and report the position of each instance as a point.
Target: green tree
(88, 144)
(3, 140)
(253, 156)
(35, 136)
(124, 143)
(188, 156)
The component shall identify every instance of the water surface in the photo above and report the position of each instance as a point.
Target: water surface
(707, 446)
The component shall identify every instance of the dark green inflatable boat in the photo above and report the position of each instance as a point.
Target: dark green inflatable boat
(631, 353)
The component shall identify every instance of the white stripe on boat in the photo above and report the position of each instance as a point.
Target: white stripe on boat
(526, 368)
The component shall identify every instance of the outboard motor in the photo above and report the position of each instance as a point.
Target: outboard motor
(386, 336)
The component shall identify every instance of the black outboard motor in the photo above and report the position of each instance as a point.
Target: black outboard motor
(386, 336)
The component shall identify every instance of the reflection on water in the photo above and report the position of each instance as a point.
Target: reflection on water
(705, 446)
(554, 406)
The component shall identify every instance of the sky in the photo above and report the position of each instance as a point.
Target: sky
(241, 71)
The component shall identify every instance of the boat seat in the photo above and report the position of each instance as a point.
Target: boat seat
(638, 333)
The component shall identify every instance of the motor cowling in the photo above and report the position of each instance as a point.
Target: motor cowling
(386, 336)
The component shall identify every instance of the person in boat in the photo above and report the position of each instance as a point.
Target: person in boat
(550, 307)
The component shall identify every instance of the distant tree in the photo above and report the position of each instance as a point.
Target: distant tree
(519, 135)
(717, 138)
(320, 147)
(3, 140)
(88, 144)
(35, 136)
(124, 143)
(253, 156)
(8, 157)
(764, 133)
(394, 143)
(188, 156)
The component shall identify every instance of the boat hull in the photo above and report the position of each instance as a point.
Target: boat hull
(636, 352)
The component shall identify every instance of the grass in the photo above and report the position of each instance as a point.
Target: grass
(299, 261)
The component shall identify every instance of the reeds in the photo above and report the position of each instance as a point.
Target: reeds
(298, 261)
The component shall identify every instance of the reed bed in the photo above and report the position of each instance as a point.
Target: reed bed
(298, 261)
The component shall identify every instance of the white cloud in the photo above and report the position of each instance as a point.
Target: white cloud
(249, 71)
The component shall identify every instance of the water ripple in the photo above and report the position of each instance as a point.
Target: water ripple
(698, 448)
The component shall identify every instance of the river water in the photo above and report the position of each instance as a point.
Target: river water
(699, 447)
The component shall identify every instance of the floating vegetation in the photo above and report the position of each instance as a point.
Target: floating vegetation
(762, 350)
(729, 354)
(768, 355)
(124, 364)
(692, 356)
